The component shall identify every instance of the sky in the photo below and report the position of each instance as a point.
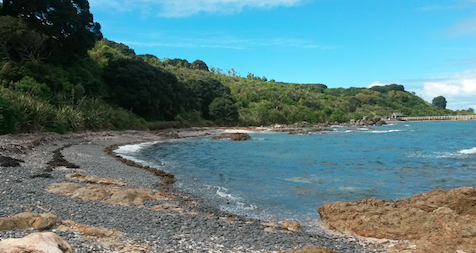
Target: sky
(429, 46)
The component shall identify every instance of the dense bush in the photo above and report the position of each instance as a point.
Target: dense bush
(150, 92)
(7, 117)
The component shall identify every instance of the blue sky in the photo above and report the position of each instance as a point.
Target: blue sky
(429, 46)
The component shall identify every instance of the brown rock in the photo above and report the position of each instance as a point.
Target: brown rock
(91, 193)
(291, 226)
(29, 220)
(63, 188)
(270, 229)
(36, 243)
(118, 196)
(437, 221)
(94, 179)
(45, 221)
(129, 197)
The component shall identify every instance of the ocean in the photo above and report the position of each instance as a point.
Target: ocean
(277, 176)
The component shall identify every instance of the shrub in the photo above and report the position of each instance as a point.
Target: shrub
(7, 117)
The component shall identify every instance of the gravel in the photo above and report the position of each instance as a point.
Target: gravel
(23, 189)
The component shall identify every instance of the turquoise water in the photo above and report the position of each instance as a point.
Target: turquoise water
(279, 176)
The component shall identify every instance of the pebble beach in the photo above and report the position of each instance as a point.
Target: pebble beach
(201, 227)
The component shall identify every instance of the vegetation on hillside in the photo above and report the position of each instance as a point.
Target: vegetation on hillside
(58, 74)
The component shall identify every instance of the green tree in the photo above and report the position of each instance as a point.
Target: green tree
(150, 92)
(224, 109)
(439, 102)
(18, 43)
(68, 24)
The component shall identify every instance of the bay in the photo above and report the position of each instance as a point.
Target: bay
(277, 176)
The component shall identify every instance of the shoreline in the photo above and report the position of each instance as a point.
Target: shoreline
(238, 233)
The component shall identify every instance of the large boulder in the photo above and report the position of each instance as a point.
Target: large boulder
(36, 243)
(439, 220)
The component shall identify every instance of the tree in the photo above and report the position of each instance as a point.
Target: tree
(18, 43)
(68, 24)
(439, 102)
(148, 91)
(224, 109)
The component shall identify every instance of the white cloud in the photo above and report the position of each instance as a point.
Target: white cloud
(228, 42)
(184, 8)
(376, 84)
(466, 27)
(459, 89)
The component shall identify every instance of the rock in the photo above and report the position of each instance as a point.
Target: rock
(298, 132)
(69, 225)
(66, 189)
(91, 193)
(117, 196)
(94, 179)
(270, 230)
(234, 137)
(129, 197)
(29, 220)
(36, 243)
(437, 221)
(311, 249)
(291, 226)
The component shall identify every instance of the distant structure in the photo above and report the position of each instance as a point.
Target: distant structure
(396, 115)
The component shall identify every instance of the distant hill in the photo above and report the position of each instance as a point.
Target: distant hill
(52, 81)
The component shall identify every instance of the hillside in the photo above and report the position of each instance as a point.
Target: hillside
(66, 77)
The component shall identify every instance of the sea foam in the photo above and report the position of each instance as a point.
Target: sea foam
(468, 151)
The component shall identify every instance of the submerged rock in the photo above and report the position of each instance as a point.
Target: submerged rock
(36, 243)
(437, 221)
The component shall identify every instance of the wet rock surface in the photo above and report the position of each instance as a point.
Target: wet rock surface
(436, 221)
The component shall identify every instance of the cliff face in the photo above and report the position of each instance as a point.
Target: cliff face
(437, 221)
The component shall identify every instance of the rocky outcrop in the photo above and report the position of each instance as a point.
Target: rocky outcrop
(29, 220)
(291, 226)
(106, 237)
(234, 137)
(94, 179)
(287, 227)
(437, 221)
(110, 195)
(366, 121)
(47, 242)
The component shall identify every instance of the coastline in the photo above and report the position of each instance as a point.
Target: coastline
(209, 230)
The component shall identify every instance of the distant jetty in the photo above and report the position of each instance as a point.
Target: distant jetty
(432, 118)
